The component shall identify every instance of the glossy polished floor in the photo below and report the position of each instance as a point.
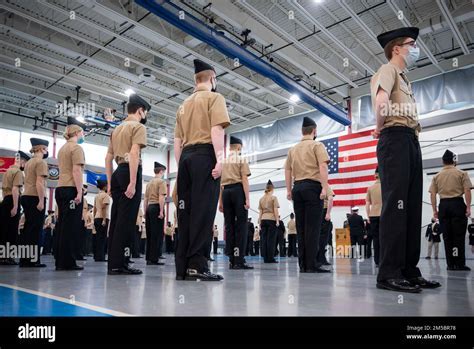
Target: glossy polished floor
(270, 289)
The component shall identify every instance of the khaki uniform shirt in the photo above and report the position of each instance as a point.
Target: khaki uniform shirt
(101, 203)
(267, 205)
(291, 227)
(169, 231)
(69, 155)
(155, 189)
(304, 159)
(128, 133)
(450, 182)
(329, 193)
(139, 217)
(198, 114)
(402, 110)
(234, 168)
(374, 198)
(34, 168)
(13, 177)
(256, 235)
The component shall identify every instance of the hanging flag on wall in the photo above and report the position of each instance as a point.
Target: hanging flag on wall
(5, 163)
(93, 177)
(351, 171)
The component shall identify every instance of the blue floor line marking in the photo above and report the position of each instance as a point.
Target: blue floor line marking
(19, 303)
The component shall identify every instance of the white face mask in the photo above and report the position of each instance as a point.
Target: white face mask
(412, 57)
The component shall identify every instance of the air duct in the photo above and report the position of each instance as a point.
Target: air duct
(179, 18)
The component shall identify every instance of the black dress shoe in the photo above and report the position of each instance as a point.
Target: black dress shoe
(130, 261)
(76, 267)
(193, 274)
(423, 283)
(318, 270)
(154, 263)
(427, 257)
(326, 263)
(400, 285)
(161, 257)
(81, 259)
(210, 260)
(34, 265)
(459, 268)
(241, 266)
(100, 260)
(124, 271)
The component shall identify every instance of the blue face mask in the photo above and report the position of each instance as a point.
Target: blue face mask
(412, 57)
(81, 140)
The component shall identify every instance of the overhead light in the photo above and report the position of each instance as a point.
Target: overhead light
(129, 92)
(164, 140)
(294, 98)
(318, 1)
(267, 125)
(80, 119)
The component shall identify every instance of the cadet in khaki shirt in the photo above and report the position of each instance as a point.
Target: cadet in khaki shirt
(373, 207)
(169, 232)
(154, 203)
(69, 198)
(306, 168)
(450, 184)
(326, 226)
(198, 148)
(33, 199)
(398, 149)
(101, 220)
(234, 202)
(268, 220)
(10, 208)
(125, 184)
(138, 234)
(256, 241)
(292, 250)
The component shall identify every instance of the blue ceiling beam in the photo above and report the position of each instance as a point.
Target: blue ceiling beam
(194, 27)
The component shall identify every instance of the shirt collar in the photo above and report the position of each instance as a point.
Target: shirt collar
(200, 88)
(448, 166)
(130, 118)
(399, 71)
(307, 137)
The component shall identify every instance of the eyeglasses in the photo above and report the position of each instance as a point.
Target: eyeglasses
(411, 43)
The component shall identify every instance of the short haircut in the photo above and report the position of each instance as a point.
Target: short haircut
(132, 108)
(388, 49)
(204, 76)
(448, 161)
(158, 169)
(307, 130)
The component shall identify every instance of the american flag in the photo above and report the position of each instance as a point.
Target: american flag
(351, 171)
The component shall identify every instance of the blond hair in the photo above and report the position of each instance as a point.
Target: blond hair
(71, 131)
(268, 188)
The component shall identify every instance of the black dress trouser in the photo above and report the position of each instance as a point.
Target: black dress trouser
(68, 226)
(268, 237)
(308, 208)
(34, 221)
(100, 238)
(9, 226)
(453, 224)
(292, 251)
(198, 193)
(401, 177)
(235, 218)
(123, 216)
(374, 230)
(323, 237)
(154, 232)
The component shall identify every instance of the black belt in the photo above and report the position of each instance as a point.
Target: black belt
(459, 198)
(401, 129)
(127, 164)
(233, 185)
(194, 147)
(307, 181)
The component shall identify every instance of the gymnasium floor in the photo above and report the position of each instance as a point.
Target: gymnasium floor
(270, 289)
